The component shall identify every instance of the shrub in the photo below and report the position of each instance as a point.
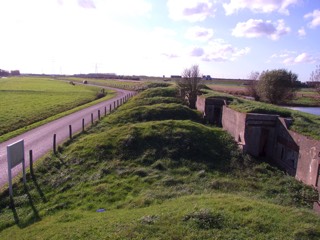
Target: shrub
(276, 85)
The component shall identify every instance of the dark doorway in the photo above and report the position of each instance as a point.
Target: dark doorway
(217, 115)
(318, 179)
(264, 135)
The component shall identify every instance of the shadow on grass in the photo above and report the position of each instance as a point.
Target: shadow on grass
(35, 182)
(35, 217)
(14, 211)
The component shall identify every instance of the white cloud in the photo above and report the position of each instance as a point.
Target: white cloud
(125, 8)
(259, 6)
(292, 58)
(63, 35)
(86, 3)
(315, 15)
(164, 32)
(301, 58)
(220, 51)
(282, 55)
(119, 7)
(257, 28)
(197, 52)
(302, 32)
(199, 33)
(190, 10)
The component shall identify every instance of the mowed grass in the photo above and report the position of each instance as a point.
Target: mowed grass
(26, 100)
(124, 84)
(164, 179)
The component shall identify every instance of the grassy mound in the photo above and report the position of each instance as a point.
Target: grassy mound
(151, 101)
(160, 139)
(158, 92)
(158, 84)
(154, 113)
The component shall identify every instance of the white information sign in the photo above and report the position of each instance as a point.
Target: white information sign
(15, 155)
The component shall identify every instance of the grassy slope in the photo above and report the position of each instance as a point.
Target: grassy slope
(25, 101)
(169, 179)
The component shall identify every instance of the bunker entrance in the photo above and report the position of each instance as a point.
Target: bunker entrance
(213, 110)
(263, 142)
(217, 115)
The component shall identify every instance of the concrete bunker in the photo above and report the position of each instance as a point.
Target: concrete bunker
(212, 108)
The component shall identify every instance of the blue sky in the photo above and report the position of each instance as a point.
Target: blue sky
(226, 38)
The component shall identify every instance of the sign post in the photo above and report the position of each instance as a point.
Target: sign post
(15, 155)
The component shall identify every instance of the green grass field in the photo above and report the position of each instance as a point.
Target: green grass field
(123, 84)
(141, 178)
(26, 100)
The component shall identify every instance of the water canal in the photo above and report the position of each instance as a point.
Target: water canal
(311, 110)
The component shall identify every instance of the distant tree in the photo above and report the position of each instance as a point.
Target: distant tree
(276, 85)
(254, 75)
(251, 87)
(15, 73)
(315, 78)
(4, 73)
(190, 85)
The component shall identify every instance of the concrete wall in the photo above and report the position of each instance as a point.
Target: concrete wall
(309, 159)
(234, 123)
(201, 103)
(286, 150)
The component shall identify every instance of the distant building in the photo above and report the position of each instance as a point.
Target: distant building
(206, 77)
(175, 76)
(313, 83)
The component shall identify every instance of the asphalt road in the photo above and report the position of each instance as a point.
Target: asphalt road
(40, 139)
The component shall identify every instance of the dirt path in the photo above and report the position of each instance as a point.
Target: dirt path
(40, 139)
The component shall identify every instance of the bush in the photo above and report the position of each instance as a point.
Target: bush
(276, 85)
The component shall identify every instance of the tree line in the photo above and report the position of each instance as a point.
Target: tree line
(272, 86)
(4, 73)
